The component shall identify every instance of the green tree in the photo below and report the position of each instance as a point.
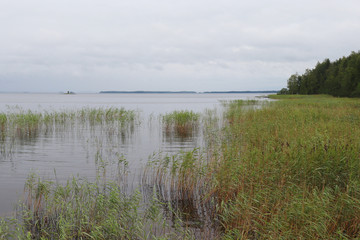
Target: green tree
(339, 78)
(293, 84)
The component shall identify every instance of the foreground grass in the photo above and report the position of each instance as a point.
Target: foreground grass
(85, 210)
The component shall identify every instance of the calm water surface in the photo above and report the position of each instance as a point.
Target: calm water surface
(79, 150)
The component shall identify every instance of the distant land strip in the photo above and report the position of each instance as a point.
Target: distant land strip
(188, 92)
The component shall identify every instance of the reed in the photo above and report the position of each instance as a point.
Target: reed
(181, 181)
(26, 120)
(18, 126)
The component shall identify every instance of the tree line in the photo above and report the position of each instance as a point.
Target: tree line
(339, 78)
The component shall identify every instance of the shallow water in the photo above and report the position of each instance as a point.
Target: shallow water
(92, 150)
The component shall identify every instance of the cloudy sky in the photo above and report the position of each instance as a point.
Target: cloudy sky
(200, 45)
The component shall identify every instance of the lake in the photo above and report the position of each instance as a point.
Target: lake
(79, 148)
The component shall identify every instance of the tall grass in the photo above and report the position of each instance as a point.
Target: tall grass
(291, 170)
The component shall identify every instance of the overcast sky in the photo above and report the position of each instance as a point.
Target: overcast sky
(200, 45)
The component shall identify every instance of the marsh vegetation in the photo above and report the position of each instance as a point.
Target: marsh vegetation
(289, 169)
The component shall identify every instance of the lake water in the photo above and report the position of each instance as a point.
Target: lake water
(78, 150)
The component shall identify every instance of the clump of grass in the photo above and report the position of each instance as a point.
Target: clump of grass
(107, 115)
(26, 124)
(3, 120)
(182, 123)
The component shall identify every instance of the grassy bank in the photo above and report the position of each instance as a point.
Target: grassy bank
(291, 170)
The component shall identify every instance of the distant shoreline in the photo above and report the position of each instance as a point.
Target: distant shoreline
(187, 92)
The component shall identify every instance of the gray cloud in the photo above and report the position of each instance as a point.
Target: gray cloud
(169, 45)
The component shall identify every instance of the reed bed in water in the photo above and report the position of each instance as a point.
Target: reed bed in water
(84, 210)
(17, 125)
(182, 123)
(29, 121)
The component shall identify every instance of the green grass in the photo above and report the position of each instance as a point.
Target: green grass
(291, 170)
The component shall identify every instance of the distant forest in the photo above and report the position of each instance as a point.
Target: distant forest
(340, 78)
